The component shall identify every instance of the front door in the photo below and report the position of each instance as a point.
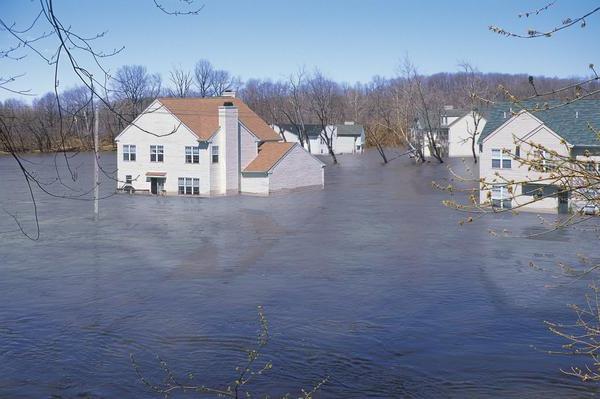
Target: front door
(563, 202)
(154, 185)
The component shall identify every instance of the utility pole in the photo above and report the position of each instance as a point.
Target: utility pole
(96, 156)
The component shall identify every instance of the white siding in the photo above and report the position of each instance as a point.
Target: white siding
(248, 147)
(523, 129)
(230, 127)
(160, 123)
(345, 144)
(297, 169)
(255, 184)
(459, 136)
(217, 170)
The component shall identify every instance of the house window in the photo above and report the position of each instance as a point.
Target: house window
(500, 197)
(192, 155)
(500, 159)
(128, 179)
(215, 153)
(322, 140)
(128, 152)
(545, 162)
(157, 153)
(189, 186)
(590, 166)
(517, 151)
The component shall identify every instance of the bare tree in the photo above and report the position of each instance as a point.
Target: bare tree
(325, 103)
(477, 94)
(211, 81)
(135, 88)
(181, 82)
(203, 74)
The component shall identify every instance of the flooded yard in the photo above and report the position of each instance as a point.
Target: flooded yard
(370, 281)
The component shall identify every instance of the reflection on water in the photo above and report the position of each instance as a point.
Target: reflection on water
(370, 281)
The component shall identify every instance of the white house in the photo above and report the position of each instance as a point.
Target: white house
(453, 132)
(462, 126)
(209, 146)
(511, 134)
(348, 138)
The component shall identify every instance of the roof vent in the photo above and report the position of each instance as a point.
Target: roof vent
(504, 114)
(228, 104)
(576, 114)
(348, 122)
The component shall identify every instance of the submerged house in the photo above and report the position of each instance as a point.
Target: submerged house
(513, 134)
(348, 138)
(209, 146)
(452, 130)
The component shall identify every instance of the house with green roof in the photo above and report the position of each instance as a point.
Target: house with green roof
(348, 138)
(536, 131)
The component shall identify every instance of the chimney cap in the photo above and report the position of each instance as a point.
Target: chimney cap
(229, 93)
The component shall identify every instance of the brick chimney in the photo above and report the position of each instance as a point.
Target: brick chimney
(229, 148)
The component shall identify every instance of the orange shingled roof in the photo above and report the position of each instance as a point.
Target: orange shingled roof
(269, 154)
(201, 115)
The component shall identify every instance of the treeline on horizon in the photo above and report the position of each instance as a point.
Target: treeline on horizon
(384, 106)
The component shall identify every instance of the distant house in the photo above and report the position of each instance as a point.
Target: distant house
(507, 137)
(452, 133)
(348, 138)
(209, 146)
(462, 125)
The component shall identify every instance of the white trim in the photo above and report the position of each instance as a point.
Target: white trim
(537, 129)
(510, 120)
(289, 151)
(133, 123)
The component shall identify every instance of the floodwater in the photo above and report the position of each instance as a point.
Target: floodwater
(370, 281)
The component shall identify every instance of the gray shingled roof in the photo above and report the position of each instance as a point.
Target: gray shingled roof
(350, 130)
(312, 130)
(454, 112)
(562, 120)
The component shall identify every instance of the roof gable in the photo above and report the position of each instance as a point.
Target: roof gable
(312, 130)
(269, 154)
(349, 130)
(570, 121)
(201, 116)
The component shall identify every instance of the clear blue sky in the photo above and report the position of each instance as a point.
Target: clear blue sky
(349, 40)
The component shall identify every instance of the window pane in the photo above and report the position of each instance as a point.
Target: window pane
(132, 156)
(188, 190)
(506, 164)
(495, 163)
(181, 190)
(188, 159)
(495, 153)
(196, 191)
(152, 157)
(196, 158)
(125, 156)
(160, 157)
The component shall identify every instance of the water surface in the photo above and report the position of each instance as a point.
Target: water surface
(370, 281)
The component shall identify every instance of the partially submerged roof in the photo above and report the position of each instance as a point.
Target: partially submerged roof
(268, 155)
(349, 130)
(312, 130)
(571, 121)
(201, 116)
